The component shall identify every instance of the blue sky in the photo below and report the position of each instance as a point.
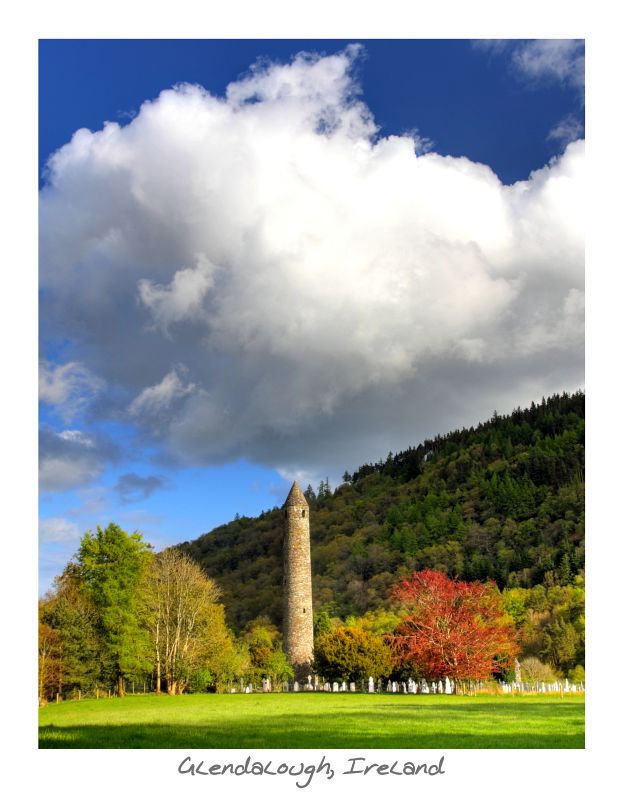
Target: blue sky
(470, 101)
(295, 269)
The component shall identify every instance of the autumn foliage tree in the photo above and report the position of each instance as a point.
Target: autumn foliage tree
(452, 628)
(48, 658)
(70, 656)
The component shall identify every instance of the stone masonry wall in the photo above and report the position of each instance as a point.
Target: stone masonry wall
(298, 622)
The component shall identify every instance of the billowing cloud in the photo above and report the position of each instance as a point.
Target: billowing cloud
(331, 293)
(182, 299)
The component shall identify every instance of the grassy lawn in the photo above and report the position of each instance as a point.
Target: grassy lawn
(282, 721)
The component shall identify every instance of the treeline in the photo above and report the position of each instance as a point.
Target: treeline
(121, 614)
(502, 501)
(538, 633)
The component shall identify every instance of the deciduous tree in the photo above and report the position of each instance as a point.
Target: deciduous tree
(187, 624)
(48, 659)
(266, 657)
(350, 653)
(69, 644)
(452, 628)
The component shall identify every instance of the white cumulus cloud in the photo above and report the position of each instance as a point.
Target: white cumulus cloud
(331, 293)
(182, 299)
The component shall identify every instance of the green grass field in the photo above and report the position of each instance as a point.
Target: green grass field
(283, 721)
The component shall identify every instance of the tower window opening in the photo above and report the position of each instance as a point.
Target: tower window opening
(303, 512)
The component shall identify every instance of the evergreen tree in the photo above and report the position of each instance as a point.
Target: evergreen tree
(113, 567)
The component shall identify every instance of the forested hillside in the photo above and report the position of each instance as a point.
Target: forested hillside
(502, 501)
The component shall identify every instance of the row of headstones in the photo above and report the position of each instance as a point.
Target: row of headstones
(409, 687)
(415, 687)
(404, 687)
(542, 687)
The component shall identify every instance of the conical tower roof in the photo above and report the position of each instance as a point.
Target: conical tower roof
(296, 496)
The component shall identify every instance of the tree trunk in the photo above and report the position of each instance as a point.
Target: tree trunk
(120, 687)
(158, 687)
(42, 666)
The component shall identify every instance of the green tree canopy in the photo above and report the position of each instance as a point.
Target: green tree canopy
(113, 566)
(266, 657)
(350, 653)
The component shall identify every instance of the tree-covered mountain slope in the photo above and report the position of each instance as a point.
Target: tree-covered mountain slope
(503, 500)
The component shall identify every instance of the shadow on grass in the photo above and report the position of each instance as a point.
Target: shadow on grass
(485, 726)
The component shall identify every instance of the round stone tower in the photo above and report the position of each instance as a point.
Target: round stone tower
(298, 624)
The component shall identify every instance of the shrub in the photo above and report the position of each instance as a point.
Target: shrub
(349, 653)
(533, 670)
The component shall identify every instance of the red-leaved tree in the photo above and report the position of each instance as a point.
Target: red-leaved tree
(452, 628)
